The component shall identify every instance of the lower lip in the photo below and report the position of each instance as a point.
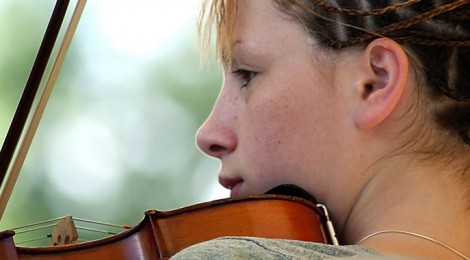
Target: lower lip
(235, 191)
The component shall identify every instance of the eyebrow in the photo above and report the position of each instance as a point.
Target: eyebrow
(227, 61)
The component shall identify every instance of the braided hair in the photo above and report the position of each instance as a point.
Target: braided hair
(435, 32)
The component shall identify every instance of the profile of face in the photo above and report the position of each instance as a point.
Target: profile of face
(278, 118)
(345, 115)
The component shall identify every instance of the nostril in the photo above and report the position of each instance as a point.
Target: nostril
(215, 148)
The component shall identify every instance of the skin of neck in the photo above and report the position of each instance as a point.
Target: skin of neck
(408, 193)
(411, 198)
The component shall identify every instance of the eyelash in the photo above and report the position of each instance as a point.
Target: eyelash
(246, 75)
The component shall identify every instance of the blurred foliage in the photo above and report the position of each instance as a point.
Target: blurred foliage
(109, 146)
(17, 51)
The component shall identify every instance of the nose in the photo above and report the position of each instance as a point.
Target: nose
(215, 138)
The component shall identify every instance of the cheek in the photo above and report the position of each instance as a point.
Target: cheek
(287, 133)
(275, 134)
(267, 124)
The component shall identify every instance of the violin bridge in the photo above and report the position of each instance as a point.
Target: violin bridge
(64, 232)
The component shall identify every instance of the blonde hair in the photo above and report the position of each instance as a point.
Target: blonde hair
(220, 14)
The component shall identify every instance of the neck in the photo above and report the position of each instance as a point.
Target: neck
(418, 199)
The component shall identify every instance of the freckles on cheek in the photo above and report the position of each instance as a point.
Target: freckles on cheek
(271, 139)
(266, 155)
(268, 142)
(267, 130)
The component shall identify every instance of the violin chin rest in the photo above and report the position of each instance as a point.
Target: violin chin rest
(292, 190)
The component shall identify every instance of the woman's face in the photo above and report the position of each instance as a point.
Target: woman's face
(276, 118)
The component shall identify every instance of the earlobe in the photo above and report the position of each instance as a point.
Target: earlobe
(386, 67)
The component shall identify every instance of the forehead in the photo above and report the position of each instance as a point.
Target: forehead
(256, 15)
(255, 25)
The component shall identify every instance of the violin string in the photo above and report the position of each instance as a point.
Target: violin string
(81, 240)
(41, 224)
(97, 230)
(102, 223)
(33, 239)
(34, 229)
(36, 223)
(106, 232)
(30, 228)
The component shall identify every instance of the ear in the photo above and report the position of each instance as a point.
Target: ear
(385, 66)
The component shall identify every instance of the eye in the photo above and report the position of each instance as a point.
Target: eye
(245, 75)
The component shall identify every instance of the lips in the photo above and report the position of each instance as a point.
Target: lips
(234, 185)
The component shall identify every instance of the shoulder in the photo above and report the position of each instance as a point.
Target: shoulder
(262, 248)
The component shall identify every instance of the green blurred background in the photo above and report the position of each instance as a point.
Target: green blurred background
(118, 134)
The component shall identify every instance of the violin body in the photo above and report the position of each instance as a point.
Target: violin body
(161, 234)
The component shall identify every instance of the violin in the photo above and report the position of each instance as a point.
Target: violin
(161, 234)
(285, 212)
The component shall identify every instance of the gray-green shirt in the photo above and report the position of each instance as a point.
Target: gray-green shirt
(262, 248)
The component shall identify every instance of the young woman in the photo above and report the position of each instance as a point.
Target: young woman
(364, 104)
